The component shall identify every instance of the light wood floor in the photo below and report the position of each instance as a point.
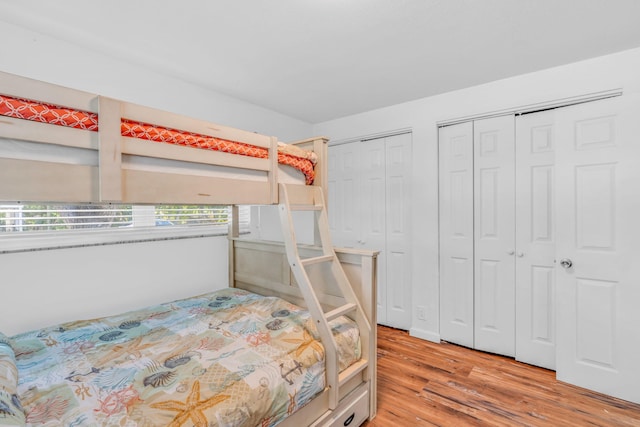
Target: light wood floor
(425, 384)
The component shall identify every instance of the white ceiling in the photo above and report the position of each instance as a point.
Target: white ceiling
(322, 59)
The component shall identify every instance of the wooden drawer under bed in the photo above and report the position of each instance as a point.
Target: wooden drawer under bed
(352, 412)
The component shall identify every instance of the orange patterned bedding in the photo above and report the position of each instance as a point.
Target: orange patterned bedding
(61, 116)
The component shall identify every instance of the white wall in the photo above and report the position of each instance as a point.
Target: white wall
(41, 288)
(28, 53)
(621, 70)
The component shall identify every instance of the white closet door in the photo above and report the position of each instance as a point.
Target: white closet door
(494, 228)
(598, 231)
(344, 194)
(456, 233)
(398, 225)
(369, 208)
(535, 239)
(373, 212)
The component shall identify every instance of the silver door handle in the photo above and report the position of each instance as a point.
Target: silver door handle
(510, 252)
(520, 254)
(566, 263)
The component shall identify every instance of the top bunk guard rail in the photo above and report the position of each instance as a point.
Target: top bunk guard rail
(161, 187)
(110, 177)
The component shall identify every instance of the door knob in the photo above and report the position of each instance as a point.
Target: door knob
(566, 263)
(510, 252)
(520, 254)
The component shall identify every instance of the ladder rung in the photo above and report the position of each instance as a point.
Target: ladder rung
(352, 371)
(317, 260)
(306, 207)
(337, 312)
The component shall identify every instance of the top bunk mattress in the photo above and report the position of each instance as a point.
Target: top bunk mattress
(226, 358)
(26, 109)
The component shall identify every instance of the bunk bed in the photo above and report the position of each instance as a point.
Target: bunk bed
(311, 308)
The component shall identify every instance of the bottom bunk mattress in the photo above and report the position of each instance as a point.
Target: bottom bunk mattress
(228, 358)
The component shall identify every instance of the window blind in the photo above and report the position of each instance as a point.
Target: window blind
(24, 218)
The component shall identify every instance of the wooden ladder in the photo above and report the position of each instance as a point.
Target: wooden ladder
(310, 198)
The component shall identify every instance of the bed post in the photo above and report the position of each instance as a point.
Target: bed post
(321, 179)
(233, 233)
(319, 145)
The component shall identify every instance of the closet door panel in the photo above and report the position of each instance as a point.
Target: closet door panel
(373, 213)
(344, 194)
(598, 273)
(535, 239)
(494, 200)
(456, 234)
(398, 215)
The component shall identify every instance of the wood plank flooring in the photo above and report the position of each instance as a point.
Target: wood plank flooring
(426, 384)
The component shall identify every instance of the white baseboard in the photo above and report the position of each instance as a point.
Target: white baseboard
(425, 335)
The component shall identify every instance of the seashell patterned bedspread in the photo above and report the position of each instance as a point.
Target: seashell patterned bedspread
(228, 358)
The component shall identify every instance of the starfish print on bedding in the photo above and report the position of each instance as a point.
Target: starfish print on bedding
(192, 408)
(307, 341)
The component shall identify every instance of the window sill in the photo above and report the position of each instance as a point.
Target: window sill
(35, 241)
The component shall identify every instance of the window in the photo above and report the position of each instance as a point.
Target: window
(29, 218)
(43, 217)
(40, 226)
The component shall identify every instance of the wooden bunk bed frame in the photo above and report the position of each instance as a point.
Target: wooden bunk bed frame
(327, 282)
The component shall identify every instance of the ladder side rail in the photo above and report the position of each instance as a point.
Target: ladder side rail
(346, 289)
(326, 335)
(313, 305)
(341, 277)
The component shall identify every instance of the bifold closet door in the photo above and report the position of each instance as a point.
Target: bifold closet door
(494, 235)
(456, 233)
(385, 222)
(369, 208)
(598, 250)
(535, 239)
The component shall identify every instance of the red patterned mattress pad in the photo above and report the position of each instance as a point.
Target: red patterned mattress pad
(61, 116)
